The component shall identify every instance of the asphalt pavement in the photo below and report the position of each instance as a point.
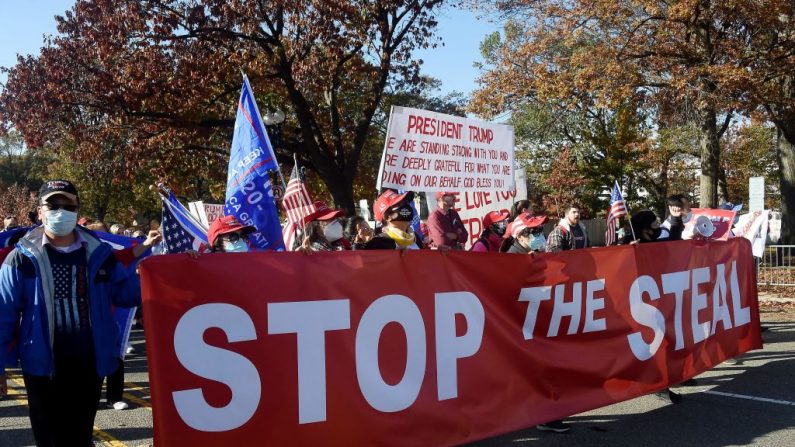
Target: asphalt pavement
(748, 403)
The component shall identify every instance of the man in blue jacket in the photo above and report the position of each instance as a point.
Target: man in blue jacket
(58, 286)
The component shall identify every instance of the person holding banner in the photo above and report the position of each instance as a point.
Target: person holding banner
(646, 228)
(59, 284)
(525, 235)
(681, 203)
(394, 212)
(227, 235)
(494, 224)
(324, 231)
(569, 234)
(447, 229)
(358, 232)
(520, 207)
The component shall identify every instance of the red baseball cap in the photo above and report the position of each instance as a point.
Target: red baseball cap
(522, 221)
(441, 194)
(225, 225)
(388, 199)
(493, 217)
(323, 212)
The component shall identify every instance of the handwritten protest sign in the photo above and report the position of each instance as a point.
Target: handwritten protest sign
(429, 151)
(207, 213)
(472, 206)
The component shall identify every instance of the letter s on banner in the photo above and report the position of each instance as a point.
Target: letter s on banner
(230, 368)
(647, 315)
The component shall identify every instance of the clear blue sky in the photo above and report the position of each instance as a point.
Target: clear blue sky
(23, 23)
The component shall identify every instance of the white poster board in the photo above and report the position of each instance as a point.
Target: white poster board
(473, 206)
(756, 194)
(206, 213)
(429, 151)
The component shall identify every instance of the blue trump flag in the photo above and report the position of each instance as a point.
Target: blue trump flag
(123, 316)
(249, 193)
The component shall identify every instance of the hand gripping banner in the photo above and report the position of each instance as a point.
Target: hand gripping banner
(423, 348)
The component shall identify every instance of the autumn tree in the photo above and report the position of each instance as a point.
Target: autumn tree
(750, 151)
(17, 201)
(769, 39)
(19, 166)
(163, 77)
(659, 51)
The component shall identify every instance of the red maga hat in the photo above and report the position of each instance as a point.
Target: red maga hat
(493, 217)
(225, 225)
(387, 200)
(323, 213)
(522, 221)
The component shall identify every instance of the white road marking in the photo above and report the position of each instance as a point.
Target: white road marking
(747, 397)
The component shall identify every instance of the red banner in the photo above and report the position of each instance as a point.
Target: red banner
(424, 348)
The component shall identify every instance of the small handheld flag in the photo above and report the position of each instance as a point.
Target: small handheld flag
(617, 210)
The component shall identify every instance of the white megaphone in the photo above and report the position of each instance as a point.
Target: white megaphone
(704, 227)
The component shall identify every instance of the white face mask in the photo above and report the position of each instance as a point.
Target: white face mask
(238, 246)
(333, 231)
(60, 222)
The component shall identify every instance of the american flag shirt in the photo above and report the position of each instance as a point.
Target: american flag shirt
(73, 337)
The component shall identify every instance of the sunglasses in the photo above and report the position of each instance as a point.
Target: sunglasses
(60, 206)
(232, 237)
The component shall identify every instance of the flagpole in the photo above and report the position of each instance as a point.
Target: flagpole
(265, 131)
(628, 214)
(164, 193)
(301, 201)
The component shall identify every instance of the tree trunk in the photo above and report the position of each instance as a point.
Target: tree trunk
(710, 159)
(723, 186)
(786, 164)
(341, 190)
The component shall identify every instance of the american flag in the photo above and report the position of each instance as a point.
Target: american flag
(617, 209)
(297, 205)
(181, 231)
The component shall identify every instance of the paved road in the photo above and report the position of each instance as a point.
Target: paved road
(751, 403)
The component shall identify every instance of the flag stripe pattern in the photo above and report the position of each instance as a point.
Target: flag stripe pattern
(617, 210)
(181, 231)
(297, 204)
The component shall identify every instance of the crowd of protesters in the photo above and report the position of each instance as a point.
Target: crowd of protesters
(60, 262)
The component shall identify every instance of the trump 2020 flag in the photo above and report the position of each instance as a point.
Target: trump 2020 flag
(249, 194)
(121, 315)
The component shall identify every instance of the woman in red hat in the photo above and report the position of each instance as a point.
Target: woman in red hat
(227, 235)
(525, 234)
(394, 211)
(494, 224)
(324, 230)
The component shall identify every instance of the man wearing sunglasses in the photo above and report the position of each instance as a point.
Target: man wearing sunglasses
(59, 284)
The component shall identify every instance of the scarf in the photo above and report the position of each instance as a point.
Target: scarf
(403, 239)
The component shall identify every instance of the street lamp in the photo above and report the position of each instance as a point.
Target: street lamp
(273, 120)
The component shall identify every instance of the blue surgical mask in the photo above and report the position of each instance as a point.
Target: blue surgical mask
(60, 222)
(538, 242)
(239, 246)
